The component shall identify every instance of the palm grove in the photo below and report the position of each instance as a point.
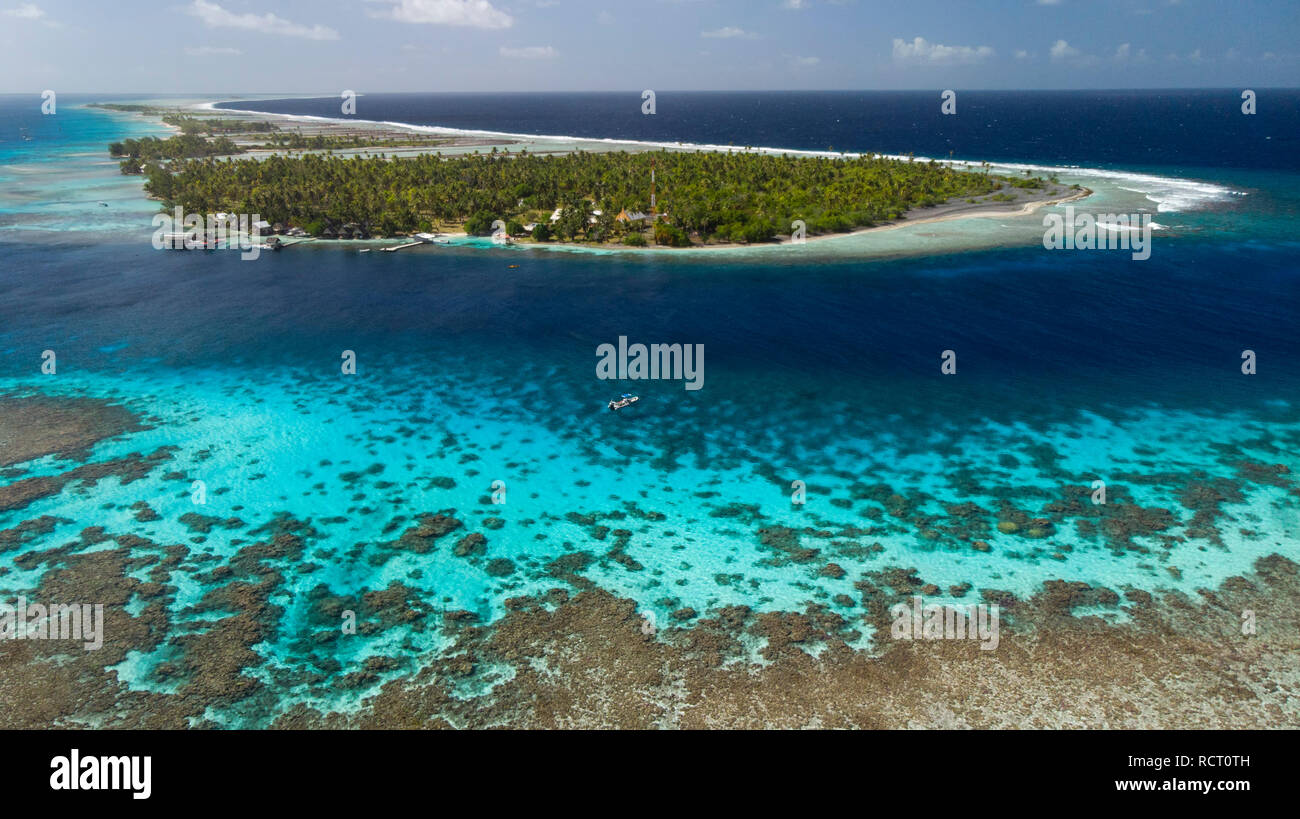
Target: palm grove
(702, 196)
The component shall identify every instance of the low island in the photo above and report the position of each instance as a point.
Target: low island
(298, 184)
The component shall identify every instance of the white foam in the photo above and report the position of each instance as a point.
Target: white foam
(1116, 228)
(1170, 194)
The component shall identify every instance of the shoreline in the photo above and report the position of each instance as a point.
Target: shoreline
(283, 489)
(946, 212)
(458, 140)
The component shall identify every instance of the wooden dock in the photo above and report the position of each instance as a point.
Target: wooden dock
(396, 248)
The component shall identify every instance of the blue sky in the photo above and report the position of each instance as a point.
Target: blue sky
(324, 46)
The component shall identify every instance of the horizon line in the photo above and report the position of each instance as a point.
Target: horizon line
(327, 94)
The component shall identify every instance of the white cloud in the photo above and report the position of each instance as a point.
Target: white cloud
(920, 50)
(529, 53)
(806, 62)
(1062, 50)
(1126, 53)
(727, 33)
(1021, 54)
(214, 16)
(795, 4)
(1049, 2)
(27, 11)
(212, 51)
(471, 13)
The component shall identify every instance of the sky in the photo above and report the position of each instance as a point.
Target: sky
(233, 47)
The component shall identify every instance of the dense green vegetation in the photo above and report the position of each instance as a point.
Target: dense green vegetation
(188, 123)
(129, 108)
(135, 153)
(702, 196)
(216, 125)
(323, 142)
(139, 151)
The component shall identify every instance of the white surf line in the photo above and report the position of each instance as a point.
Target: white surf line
(1178, 194)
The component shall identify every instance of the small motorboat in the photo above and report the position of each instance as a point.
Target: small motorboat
(627, 399)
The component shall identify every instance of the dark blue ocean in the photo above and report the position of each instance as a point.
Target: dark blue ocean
(1129, 129)
(478, 364)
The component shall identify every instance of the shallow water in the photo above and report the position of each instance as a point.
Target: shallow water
(1071, 368)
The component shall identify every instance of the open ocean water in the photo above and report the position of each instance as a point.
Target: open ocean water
(1071, 367)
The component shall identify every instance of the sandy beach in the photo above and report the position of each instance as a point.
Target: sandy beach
(409, 140)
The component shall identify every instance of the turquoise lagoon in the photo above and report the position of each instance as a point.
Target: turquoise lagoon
(821, 365)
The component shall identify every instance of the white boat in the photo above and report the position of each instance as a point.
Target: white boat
(627, 399)
(432, 239)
